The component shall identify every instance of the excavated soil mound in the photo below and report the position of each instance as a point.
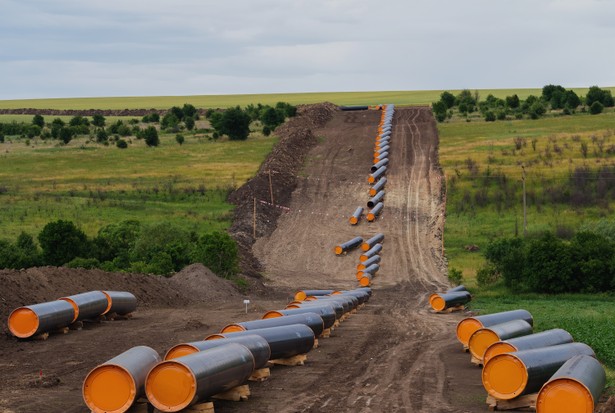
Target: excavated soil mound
(278, 172)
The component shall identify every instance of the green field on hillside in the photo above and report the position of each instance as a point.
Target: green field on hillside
(423, 97)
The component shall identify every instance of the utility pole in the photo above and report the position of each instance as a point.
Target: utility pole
(271, 189)
(524, 203)
(254, 219)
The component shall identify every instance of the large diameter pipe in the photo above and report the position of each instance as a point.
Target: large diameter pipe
(303, 294)
(311, 319)
(356, 216)
(378, 186)
(510, 375)
(349, 302)
(284, 341)
(173, 385)
(380, 157)
(345, 305)
(373, 177)
(113, 386)
(353, 108)
(486, 336)
(327, 313)
(338, 308)
(376, 239)
(371, 252)
(258, 346)
(87, 305)
(457, 289)
(348, 245)
(375, 212)
(546, 338)
(28, 321)
(120, 302)
(442, 301)
(364, 264)
(467, 326)
(376, 199)
(575, 387)
(382, 148)
(362, 296)
(372, 269)
(366, 280)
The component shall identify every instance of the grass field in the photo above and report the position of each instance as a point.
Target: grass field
(94, 185)
(423, 97)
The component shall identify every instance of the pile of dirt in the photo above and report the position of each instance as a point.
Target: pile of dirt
(280, 169)
(83, 112)
(608, 407)
(194, 284)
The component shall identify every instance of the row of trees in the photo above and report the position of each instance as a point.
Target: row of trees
(126, 246)
(553, 98)
(548, 264)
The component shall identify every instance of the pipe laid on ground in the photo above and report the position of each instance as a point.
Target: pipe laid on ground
(338, 308)
(381, 147)
(352, 108)
(467, 326)
(378, 186)
(546, 338)
(442, 301)
(28, 321)
(312, 320)
(575, 387)
(258, 346)
(356, 216)
(362, 296)
(303, 294)
(120, 302)
(371, 252)
(457, 289)
(372, 269)
(376, 199)
(345, 306)
(349, 302)
(87, 305)
(175, 384)
(510, 375)
(376, 239)
(113, 386)
(364, 264)
(375, 212)
(284, 341)
(375, 175)
(366, 280)
(486, 336)
(327, 313)
(380, 156)
(348, 245)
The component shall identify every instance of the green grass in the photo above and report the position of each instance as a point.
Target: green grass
(421, 97)
(94, 185)
(589, 318)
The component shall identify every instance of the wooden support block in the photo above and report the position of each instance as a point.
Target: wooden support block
(449, 310)
(521, 403)
(336, 324)
(466, 349)
(326, 333)
(315, 343)
(354, 310)
(42, 336)
(115, 316)
(63, 330)
(235, 394)
(260, 374)
(298, 360)
(77, 325)
(476, 361)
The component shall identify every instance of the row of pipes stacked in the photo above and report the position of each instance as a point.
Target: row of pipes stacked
(37, 319)
(564, 376)
(194, 372)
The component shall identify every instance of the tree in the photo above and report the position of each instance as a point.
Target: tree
(101, 136)
(65, 134)
(439, 109)
(512, 101)
(61, 242)
(266, 130)
(489, 116)
(179, 139)
(189, 122)
(189, 110)
(164, 238)
(56, 125)
(448, 99)
(218, 251)
(79, 121)
(177, 111)
(98, 121)
(272, 117)
(596, 108)
(121, 143)
(38, 120)
(235, 123)
(170, 121)
(150, 134)
(572, 99)
(595, 94)
(117, 240)
(549, 90)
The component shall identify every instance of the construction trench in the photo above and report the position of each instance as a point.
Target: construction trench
(394, 354)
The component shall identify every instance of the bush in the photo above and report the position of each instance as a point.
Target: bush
(179, 139)
(189, 122)
(596, 108)
(234, 122)
(164, 238)
(487, 275)
(489, 116)
(39, 121)
(61, 242)
(219, 252)
(86, 263)
(121, 143)
(455, 276)
(150, 134)
(117, 240)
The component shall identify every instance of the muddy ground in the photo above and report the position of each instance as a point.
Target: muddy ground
(392, 356)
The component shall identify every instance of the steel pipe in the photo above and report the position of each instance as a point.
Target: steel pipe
(284, 341)
(345, 305)
(371, 252)
(372, 269)
(362, 296)
(376, 199)
(546, 338)
(120, 302)
(467, 326)
(352, 108)
(486, 336)
(510, 375)
(364, 264)
(442, 301)
(87, 305)
(258, 346)
(113, 386)
(351, 301)
(327, 313)
(356, 216)
(337, 307)
(378, 186)
(375, 212)
(374, 176)
(312, 320)
(303, 294)
(348, 245)
(376, 239)
(380, 156)
(575, 387)
(366, 280)
(173, 385)
(34, 319)
(457, 289)
(382, 148)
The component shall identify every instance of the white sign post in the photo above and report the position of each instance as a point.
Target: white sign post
(246, 302)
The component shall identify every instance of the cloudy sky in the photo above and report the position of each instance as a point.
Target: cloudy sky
(75, 48)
